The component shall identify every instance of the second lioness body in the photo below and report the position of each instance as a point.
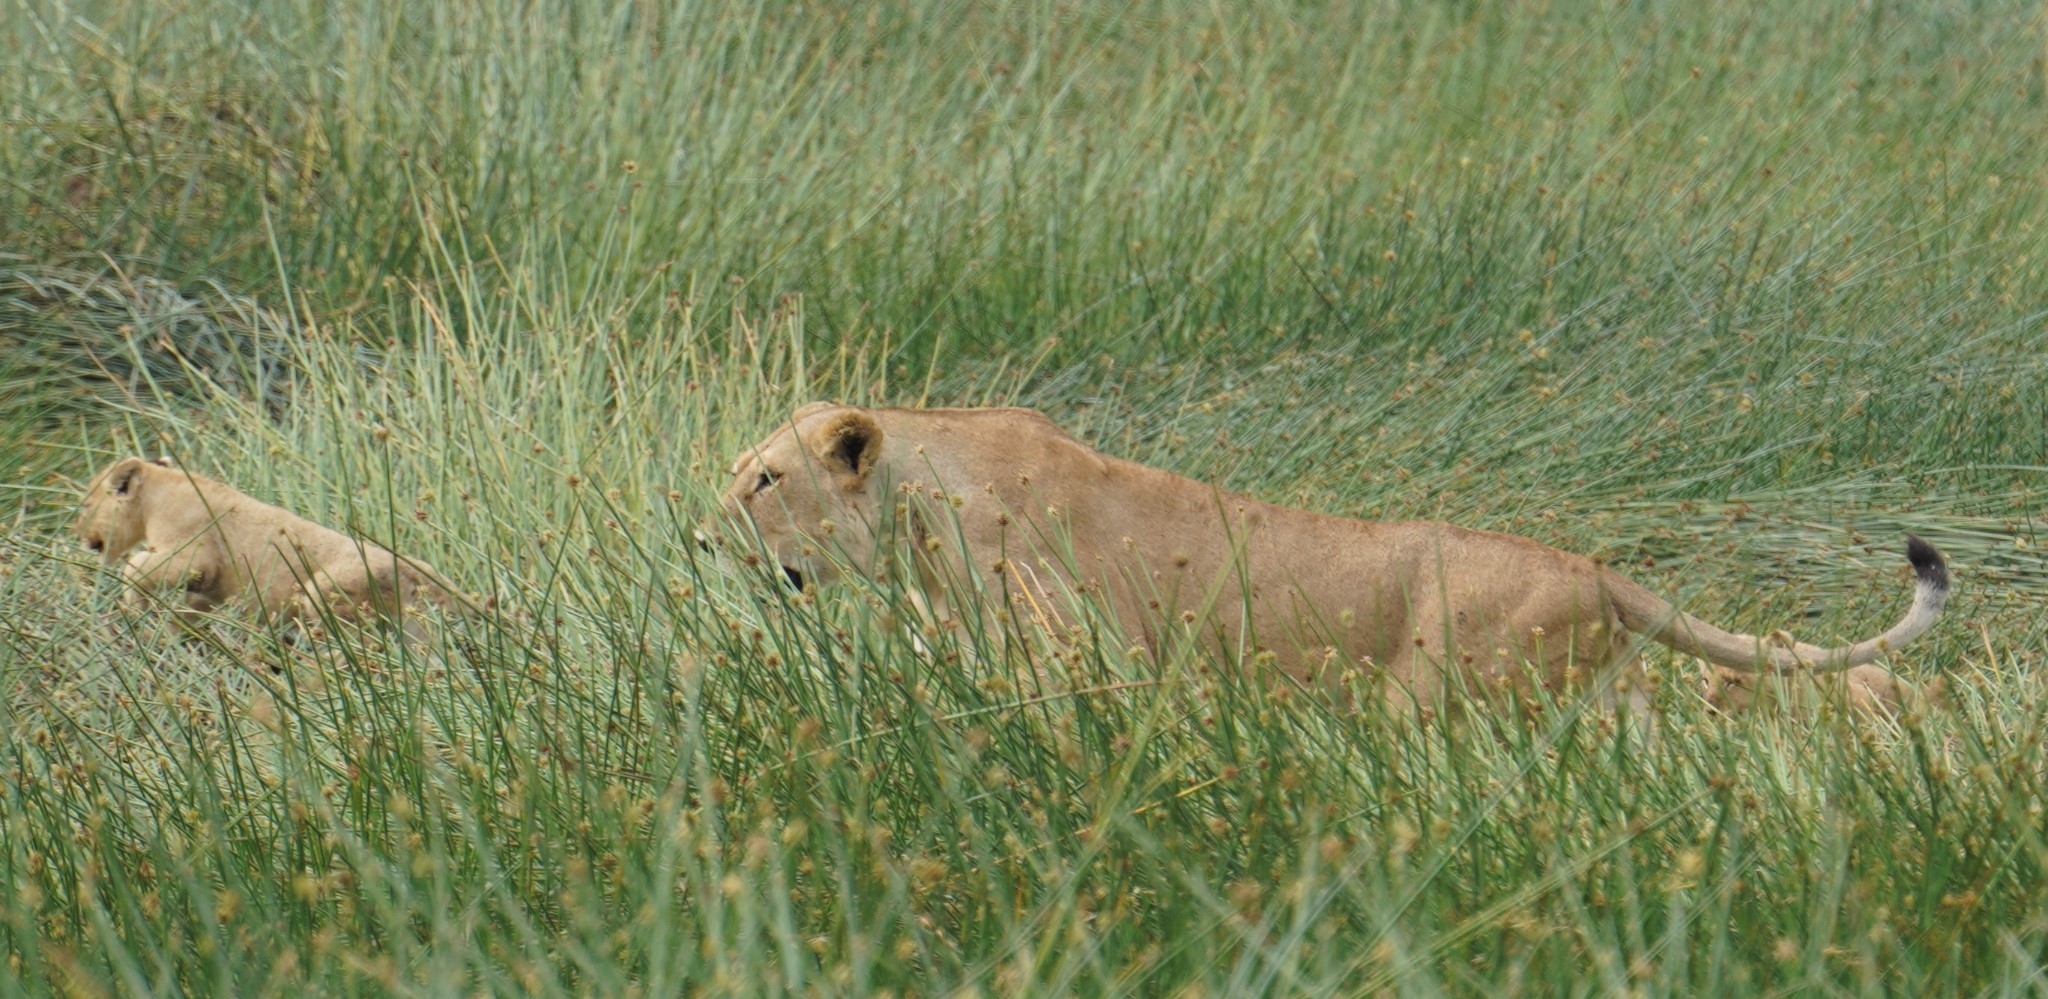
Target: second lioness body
(201, 545)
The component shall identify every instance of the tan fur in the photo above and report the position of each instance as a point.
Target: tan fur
(1869, 690)
(202, 545)
(1006, 497)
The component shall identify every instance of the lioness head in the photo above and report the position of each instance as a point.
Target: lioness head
(111, 521)
(809, 489)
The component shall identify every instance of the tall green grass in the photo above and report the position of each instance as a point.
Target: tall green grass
(652, 772)
(1135, 179)
(1731, 298)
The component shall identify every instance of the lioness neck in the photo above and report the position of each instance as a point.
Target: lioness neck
(172, 521)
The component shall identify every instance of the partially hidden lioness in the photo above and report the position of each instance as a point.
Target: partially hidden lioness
(1006, 499)
(1869, 690)
(213, 546)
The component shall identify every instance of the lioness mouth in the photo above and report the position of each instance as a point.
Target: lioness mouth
(795, 578)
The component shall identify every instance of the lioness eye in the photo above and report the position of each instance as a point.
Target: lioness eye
(767, 479)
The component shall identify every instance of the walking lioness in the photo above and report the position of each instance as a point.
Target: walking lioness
(1033, 515)
(207, 545)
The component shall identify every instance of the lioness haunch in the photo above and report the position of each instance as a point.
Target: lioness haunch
(1008, 497)
(208, 545)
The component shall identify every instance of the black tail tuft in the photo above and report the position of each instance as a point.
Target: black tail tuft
(1927, 562)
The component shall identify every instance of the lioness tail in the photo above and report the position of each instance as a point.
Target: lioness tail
(1645, 613)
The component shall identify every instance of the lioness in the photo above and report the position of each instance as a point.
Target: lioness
(210, 545)
(1006, 498)
(1869, 690)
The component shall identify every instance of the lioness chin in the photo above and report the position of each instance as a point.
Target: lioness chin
(1007, 502)
(204, 545)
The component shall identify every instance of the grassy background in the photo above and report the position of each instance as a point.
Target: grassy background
(1733, 298)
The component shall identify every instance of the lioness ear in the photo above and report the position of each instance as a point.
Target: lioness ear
(848, 443)
(166, 462)
(121, 481)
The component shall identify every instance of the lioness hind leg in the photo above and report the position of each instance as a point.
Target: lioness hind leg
(315, 602)
(307, 612)
(391, 593)
(1629, 684)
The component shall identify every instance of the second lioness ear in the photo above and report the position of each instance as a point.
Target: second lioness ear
(848, 442)
(121, 477)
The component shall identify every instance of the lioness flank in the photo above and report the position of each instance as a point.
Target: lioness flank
(1007, 497)
(209, 545)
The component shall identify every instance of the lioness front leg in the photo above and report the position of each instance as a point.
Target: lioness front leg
(185, 578)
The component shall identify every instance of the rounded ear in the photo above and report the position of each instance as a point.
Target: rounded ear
(121, 478)
(166, 462)
(848, 442)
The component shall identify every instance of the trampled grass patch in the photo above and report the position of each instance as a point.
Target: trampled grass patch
(1733, 299)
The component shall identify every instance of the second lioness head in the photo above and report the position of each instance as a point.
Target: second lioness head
(116, 507)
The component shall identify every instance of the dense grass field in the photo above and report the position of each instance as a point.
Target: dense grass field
(1732, 298)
